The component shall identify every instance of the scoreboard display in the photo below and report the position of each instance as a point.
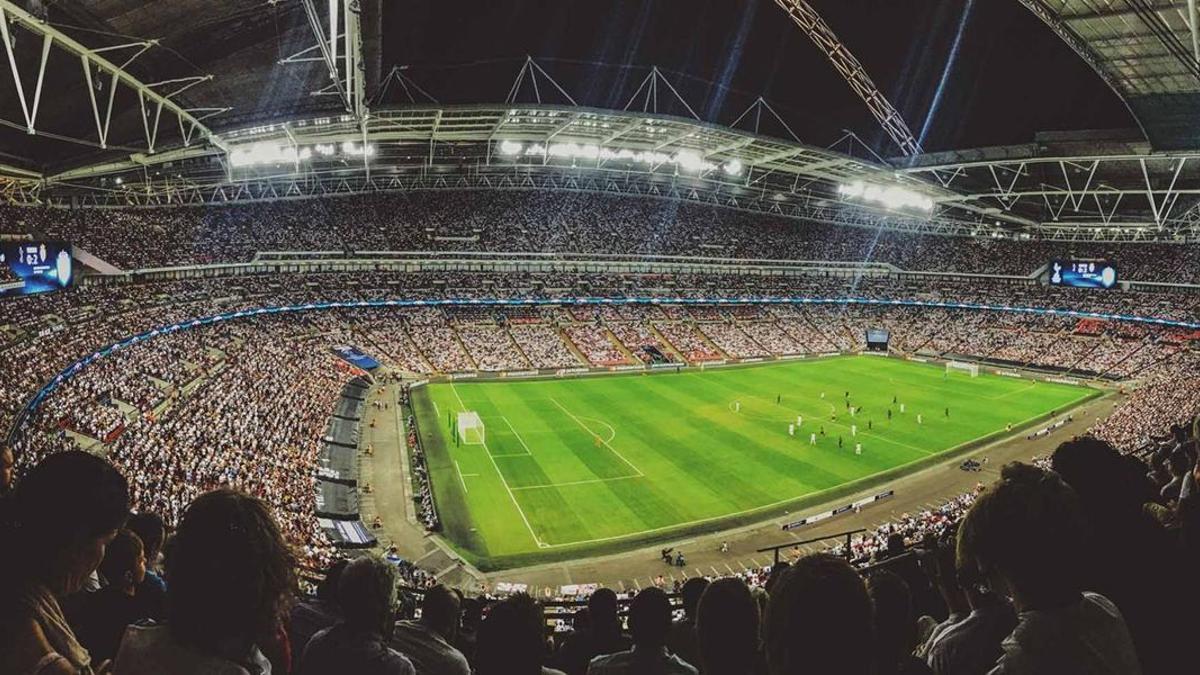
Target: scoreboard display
(28, 267)
(1083, 273)
(877, 339)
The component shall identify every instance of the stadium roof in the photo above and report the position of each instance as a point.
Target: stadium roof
(106, 116)
(1148, 51)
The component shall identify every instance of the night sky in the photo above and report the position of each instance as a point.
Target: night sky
(964, 73)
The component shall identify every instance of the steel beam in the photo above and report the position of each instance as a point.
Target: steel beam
(91, 58)
(347, 70)
(856, 76)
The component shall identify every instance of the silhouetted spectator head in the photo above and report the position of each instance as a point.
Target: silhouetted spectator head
(1023, 535)
(512, 638)
(327, 588)
(1096, 473)
(440, 611)
(895, 621)
(231, 574)
(690, 594)
(124, 564)
(602, 608)
(650, 619)
(819, 619)
(69, 507)
(150, 529)
(367, 595)
(727, 626)
(7, 465)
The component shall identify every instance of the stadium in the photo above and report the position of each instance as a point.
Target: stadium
(694, 337)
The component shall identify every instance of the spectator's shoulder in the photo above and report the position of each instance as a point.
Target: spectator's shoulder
(397, 663)
(602, 661)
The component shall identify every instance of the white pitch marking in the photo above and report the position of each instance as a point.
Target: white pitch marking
(594, 434)
(514, 430)
(574, 482)
(503, 482)
(462, 479)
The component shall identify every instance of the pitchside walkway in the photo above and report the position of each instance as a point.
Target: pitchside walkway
(928, 488)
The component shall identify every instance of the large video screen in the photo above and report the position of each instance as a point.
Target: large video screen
(34, 267)
(1083, 273)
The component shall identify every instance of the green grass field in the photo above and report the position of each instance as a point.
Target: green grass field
(579, 466)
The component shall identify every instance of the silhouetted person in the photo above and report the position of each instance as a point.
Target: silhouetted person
(232, 577)
(649, 623)
(65, 512)
(1023, 536)
(1126, 555)
(101, 616)
(895, 626)
(602, 635)
(313, 615)
(512, 639)
(427, 642)
(971, 646)
(819, 619)
(682, 638)
(727, 627)
(358, 643)
(152, 592)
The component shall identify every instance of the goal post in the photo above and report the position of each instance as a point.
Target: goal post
(470, 428)
(971, 369)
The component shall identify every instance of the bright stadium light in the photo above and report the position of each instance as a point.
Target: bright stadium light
(690, 161)
(264, 153)
(892, 197)
(687, 160)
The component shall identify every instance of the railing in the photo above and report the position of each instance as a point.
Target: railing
(792, 544)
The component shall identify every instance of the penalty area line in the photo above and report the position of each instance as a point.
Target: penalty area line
(511, 495)
(597, 436)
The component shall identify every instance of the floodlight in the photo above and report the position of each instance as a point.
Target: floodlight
(689, 161)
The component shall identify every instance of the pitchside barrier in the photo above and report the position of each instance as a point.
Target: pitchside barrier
(818, 517)
(70, 371)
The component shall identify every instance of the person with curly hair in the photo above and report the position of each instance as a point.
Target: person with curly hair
(231, 578)
(1023, 537)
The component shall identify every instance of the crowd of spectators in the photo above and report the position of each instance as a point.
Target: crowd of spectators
(253, 421)
(419, 472)
(45, 334)
(1025, 580)
(549, 222)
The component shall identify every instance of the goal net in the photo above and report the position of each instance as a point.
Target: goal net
(470, 428)
(971, 368)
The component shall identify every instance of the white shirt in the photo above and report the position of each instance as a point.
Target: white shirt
(635, 662)
(1088, 637)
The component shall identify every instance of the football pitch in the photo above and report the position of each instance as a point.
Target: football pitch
(570, 467)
